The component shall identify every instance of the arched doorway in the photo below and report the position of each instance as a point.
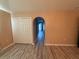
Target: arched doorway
(39, 30)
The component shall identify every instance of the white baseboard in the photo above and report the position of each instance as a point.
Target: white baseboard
(8, 46)
(48, 45)
(60, 44)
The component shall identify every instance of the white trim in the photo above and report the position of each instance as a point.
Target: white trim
(60, 44)
(8, 46)
(6, 10)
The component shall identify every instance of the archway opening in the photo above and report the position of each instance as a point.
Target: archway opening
(39, 30)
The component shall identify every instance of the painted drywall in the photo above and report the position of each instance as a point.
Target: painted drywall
(4, 4)
(61, 26)
(42, 5)
(5, 29)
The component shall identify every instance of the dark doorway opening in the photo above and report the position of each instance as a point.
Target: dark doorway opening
(39, 30)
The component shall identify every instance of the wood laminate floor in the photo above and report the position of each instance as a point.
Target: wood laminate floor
(23, 51)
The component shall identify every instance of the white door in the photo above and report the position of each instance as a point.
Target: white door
(22, 29)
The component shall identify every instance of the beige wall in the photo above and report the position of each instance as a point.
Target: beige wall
(61, 26)
(5, 29)
(4, 4)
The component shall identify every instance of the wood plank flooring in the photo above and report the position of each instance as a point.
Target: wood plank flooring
(27, 51)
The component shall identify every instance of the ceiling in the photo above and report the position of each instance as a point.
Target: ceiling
(42, 5)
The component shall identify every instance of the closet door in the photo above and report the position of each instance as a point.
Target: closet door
(22, 30)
